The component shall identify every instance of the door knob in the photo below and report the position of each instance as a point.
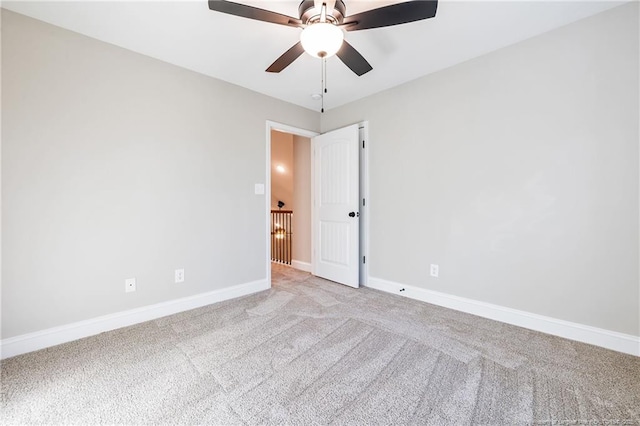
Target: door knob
(354, 214)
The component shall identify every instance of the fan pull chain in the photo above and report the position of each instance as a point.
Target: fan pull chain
(323, 88)
(324, 68)
(323, 82)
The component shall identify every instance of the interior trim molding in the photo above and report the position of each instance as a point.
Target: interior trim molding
(619, 342)
(303, 266)
(66, 333)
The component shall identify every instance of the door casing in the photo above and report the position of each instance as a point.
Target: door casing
(364, 192)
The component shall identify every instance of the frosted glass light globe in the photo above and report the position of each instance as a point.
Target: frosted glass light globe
(321, 39)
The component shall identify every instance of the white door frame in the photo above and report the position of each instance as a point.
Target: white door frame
(364, 206)
(364, 195)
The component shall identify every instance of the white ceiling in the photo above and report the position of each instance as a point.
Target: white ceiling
(238, 50)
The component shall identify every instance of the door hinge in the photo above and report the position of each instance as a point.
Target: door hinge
(363, 202)
(364, 259)
(362, 144)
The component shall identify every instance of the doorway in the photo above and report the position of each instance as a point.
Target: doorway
(290, 226)
(281, 185)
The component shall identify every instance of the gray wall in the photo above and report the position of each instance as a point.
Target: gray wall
(116, 165)
(517, 173)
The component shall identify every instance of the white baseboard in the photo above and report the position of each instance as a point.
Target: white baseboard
(303, 266)
(54, 336)
(620, 342)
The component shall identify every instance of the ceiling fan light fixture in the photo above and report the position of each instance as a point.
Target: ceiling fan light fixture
(322, 39)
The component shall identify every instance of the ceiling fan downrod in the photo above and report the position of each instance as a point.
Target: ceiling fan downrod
(308, 12)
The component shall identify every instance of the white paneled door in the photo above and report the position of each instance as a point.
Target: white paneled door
(336, 206)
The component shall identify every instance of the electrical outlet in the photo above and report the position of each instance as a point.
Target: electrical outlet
(435, 270)
(130, 285)
(179, 275)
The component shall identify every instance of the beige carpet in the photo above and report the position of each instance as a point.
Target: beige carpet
(314, 352)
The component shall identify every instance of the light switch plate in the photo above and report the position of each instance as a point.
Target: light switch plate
(259, 189)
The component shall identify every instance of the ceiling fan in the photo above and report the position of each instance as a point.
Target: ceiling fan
(323, 22)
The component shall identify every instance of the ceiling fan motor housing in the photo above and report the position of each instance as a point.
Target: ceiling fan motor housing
(309, 14)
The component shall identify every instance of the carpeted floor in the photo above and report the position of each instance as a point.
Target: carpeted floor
(313, 352)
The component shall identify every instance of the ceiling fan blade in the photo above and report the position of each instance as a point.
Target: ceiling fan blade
(251, 12)
(353, 59)
(287, 58)
(394, 14)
